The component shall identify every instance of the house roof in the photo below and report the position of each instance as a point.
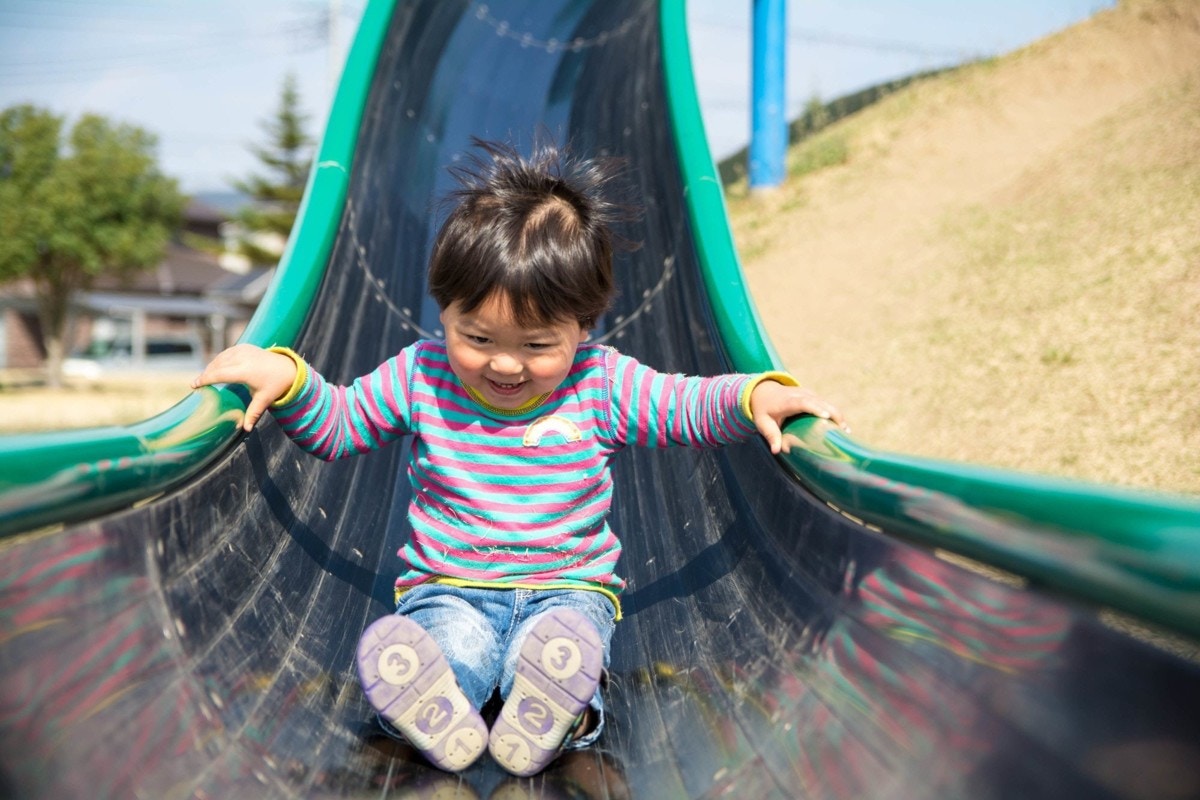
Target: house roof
(184, 271)
(114, 304)
(247, 289)
(201, 213)
(187, 282)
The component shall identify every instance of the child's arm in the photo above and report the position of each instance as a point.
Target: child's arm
(328, 421)
(268, 374)
(771, 403)
(655, 409)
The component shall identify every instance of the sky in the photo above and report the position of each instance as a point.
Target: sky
(204, 75)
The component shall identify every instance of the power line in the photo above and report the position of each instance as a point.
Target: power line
(846, 40)
(43, 20)
(876, 45)
(123, 56)
(180, 60)
(135, 4)
(202, 51)
(163, 67)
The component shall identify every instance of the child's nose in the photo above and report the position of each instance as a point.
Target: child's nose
(506, 364)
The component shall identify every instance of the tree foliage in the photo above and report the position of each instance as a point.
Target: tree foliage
(287, 159)
(73, 209)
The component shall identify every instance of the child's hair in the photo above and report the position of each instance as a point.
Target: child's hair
(536, 231)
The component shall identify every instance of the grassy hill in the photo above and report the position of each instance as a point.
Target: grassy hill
(1001, 264)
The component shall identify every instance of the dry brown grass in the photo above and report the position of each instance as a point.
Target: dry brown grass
(28, 406)
(1003, 267)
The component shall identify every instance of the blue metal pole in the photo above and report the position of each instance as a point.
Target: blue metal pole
(768, 129)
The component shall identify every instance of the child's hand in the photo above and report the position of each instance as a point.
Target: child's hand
(268, 376)
(771, 403)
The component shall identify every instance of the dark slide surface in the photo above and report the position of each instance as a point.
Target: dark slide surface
(201, 644)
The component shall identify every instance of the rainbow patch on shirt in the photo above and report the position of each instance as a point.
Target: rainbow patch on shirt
(547, 426)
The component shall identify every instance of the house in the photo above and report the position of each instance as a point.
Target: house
(189, 296)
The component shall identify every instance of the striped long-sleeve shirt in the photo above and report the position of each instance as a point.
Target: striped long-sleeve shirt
(518, 499)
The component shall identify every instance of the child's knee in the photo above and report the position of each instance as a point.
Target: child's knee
(464, 635)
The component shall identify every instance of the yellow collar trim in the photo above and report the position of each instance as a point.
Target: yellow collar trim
(506, 412)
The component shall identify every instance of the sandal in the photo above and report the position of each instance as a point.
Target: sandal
(557, 675)
(409, 682)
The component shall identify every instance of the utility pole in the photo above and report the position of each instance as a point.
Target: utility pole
(768, 129)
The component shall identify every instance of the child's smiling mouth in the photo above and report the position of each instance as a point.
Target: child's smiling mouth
(505, 389)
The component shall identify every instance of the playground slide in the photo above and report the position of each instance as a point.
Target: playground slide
(179, 604)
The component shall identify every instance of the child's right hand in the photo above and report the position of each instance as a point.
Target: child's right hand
(268, 376)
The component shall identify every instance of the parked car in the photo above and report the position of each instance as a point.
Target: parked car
(114, 357)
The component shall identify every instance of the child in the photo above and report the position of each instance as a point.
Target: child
(509, 572)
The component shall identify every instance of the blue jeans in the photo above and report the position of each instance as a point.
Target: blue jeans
(480, 632)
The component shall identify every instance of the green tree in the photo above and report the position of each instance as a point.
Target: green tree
(71, 210)
(287, 159)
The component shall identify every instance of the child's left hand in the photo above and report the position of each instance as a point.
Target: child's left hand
(771, 403)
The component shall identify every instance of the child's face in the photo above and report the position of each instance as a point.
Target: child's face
(507, 364)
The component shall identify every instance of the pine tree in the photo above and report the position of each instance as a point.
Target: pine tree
(287, 159)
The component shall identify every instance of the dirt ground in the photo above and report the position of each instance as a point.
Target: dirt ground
(27, 406)
(1005, 266)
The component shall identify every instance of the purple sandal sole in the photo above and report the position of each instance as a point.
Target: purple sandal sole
(409, 682)
(557, 674)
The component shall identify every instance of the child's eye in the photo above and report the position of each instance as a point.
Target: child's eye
(539, 345)
(477, 339)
